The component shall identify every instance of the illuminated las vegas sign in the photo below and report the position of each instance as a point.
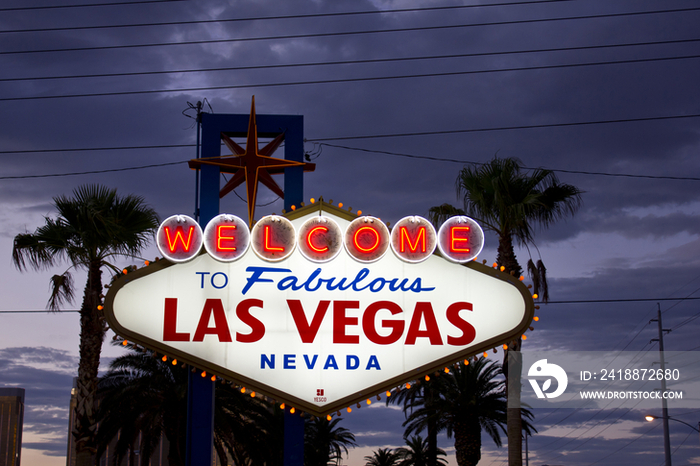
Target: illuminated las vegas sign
(319, 308)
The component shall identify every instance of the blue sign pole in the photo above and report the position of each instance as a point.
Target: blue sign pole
(200, 390)
(200, 406)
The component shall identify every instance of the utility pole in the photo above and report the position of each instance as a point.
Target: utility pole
(527, 452)
(664, 404)
(199, 109)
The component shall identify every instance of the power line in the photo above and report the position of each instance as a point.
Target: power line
(624, 446)
(688, 320)
(626, 300)
(374, 60)
(92, 172)
(582, 426)
(94, 149)
(339, 80)
(54, 7)
(689, 294)
(597, 423)
(35, 312)
(351, 33)
(590, 173)
(442, 159)
(551, 302)
(506, 128)
(651, 313)
(18, 177)
(258, 18)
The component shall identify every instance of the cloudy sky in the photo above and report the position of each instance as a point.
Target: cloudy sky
(397, 96)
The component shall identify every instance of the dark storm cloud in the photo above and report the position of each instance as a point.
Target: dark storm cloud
(46, 420)
(41, 355)
(613, 324)
(47, 392)
(368, 432)
(57, 448)
(647, 226)
(44, 387)
(613, 436)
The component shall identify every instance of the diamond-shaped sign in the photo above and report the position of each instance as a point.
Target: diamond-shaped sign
(319, 335)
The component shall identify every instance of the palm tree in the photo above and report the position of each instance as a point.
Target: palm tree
(91, 228)
(422, 394)
(143, 397)
(511, 203)
(415, 453)
(472, 399)
(325, 442)
(383, 457)
(506, 200)
(142, 394)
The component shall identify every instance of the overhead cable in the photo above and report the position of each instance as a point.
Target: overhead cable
(378, 60)
(94, 149)
(506, 128)
(85, 5)
(258, 18)
(350, 33)
(442, 159)
(627, 300)
(339, 80)
(91, 172)
(607, 301)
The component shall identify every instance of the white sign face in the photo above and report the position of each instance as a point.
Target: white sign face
(319, 336)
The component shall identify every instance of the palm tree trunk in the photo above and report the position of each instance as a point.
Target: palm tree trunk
(175, 429)
(175, 454)
(506, 255)
(92, 332)
(432, 426)
(467, 442)
(506, 258)
(432, 441)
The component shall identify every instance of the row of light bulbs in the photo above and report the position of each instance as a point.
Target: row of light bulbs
(293, 410)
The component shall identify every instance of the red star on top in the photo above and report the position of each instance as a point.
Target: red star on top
(251, 165)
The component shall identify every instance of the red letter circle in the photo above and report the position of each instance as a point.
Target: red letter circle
(367, 239)
(413, 239)
(179, 238)
(273, 238)
(460, 239)
(320, 239)
(226, 237)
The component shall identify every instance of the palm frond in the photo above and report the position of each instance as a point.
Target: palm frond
(150, 395)
(534, 275)
(542, 271)
(438, 214)
(508, 201)
(61, 291)
(43, 248)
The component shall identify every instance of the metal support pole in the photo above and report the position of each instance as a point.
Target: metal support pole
(200, 390)
(201, 409)
(664, 404)
(293, 439)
